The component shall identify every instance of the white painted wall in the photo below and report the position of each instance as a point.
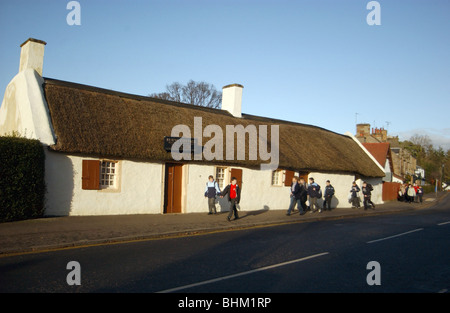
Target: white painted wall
(342, 184)
(377, 192)
(140, 190)
(24, 109)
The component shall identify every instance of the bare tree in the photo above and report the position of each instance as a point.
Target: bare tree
(197, 93)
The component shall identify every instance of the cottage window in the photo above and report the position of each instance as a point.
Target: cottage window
(220, 176)
(277, 176)
(108, 175)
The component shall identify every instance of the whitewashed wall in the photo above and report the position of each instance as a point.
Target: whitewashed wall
(140, 188)
(342, 184)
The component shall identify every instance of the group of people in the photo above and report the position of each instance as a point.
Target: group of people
(410, 193)
(300, 192)
(355, 199)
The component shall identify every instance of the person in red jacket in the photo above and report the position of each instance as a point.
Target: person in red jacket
(234, 196)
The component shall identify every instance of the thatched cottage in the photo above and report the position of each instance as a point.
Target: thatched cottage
(106, 151)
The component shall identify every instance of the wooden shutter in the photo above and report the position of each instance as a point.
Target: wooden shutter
(238, 174)
(90, 177)
(288, 178)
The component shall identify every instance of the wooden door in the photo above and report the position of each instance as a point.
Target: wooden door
(238, 174)
(173, 188)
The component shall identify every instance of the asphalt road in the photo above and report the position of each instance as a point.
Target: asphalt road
(326, 256)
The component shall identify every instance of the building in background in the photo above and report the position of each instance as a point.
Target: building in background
(403, 163)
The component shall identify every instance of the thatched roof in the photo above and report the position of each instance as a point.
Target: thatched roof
(104, 123)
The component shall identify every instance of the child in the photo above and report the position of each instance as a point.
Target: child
(367, 192)
(328, 195)
(234, 196)
(212, 189)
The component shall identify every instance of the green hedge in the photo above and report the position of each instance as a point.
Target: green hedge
(22, 182)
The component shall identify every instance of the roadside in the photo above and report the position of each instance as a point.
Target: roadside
(76, 231)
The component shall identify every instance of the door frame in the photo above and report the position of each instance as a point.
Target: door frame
(181, 182)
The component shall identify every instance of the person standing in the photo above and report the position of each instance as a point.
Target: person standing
(354, 195)
(296, 189)
(416, 188)
(411, 193)
(420, 193)
(212, 189)
(367, 192)
(314, 194)
(328, 195)
(234, 196)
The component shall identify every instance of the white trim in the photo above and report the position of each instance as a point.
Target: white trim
(349, 134)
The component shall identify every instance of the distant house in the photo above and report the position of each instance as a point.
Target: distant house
(382, 153)
(403, 163)
(105, 150)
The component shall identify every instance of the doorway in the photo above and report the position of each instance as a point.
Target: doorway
(173, 188)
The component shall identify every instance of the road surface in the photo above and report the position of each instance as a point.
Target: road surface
(412, 251)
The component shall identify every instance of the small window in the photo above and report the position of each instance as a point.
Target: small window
(220, 176)
(277, 178)
(108, 175)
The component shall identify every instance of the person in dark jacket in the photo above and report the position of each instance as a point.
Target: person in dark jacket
(367, 192)
(354, 195)
(303, 194)
(328, 195)
(314, 194)
(296, 195)
(234, 196)
(212, 189)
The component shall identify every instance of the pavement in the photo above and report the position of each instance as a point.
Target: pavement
(52, 233)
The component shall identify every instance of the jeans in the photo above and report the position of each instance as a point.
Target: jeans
(327, 203)
(313, 204)
(212, 205)
(293, 203)
(233, 209)
(367, 201)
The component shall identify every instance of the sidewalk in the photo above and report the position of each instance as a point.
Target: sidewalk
(62, 232)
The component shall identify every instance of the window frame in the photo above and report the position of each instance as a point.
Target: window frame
(280, 174)
(117, 175)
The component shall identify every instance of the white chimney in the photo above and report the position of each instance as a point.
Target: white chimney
(232, 99)
(32, 55)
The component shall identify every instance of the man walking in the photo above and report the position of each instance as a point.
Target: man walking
(314, 194)
(296, 189)
(234, 196)
(303, 194)
(212, 189)
(328, 195)
(367, 192)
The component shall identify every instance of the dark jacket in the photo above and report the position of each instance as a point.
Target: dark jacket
(367, 190)
(227, 191)
(313, 190)
(297, 192)
(329, 191)
(212, 189)
(355, 190)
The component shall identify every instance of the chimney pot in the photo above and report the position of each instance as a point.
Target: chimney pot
(32, 55)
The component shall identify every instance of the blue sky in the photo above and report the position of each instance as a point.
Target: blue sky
(314, 62)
